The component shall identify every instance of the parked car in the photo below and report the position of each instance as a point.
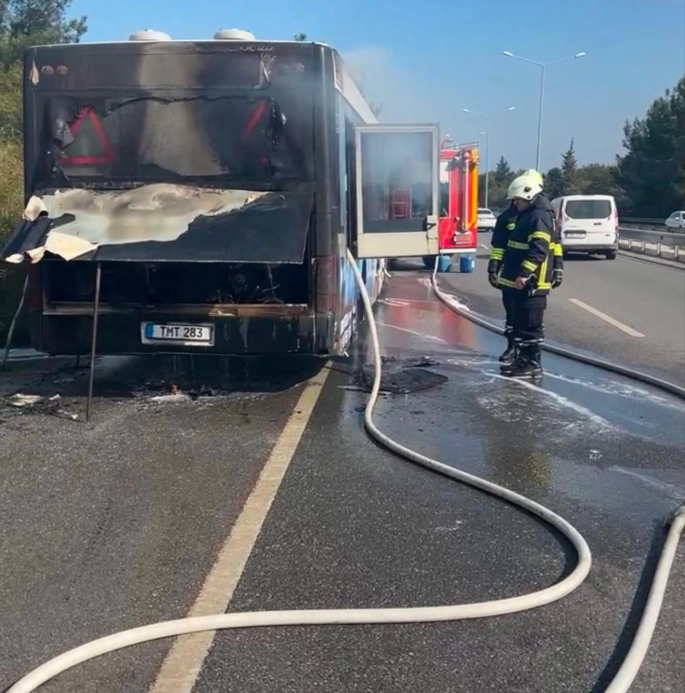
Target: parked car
(486, 219)
(588, 224)
(676, 222)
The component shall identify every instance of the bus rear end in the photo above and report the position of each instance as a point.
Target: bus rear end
(184, 171)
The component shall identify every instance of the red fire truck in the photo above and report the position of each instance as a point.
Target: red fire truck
(458, 226)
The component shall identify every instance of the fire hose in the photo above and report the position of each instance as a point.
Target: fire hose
(428, 614)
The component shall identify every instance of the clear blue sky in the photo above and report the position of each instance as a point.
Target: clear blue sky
(427, 60)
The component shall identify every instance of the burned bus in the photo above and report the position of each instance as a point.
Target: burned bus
(200, 196)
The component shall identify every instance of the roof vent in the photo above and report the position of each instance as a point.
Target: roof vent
(234, 35)
(149, 35)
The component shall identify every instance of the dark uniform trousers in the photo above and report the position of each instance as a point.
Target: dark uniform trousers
(524, 316)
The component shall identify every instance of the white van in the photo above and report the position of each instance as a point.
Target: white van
(588, 224)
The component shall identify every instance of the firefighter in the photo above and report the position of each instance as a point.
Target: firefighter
(504, 225)
(528, 270)
(506, 222)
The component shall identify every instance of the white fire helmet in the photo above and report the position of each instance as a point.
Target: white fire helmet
(536, 175)
(524, 188)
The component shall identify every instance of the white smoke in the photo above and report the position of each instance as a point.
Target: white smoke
(385, 81)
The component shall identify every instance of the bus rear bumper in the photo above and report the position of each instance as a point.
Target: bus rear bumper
(64, 332)
(590, 247)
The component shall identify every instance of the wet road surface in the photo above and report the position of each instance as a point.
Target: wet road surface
(117, 523)
(643, 301)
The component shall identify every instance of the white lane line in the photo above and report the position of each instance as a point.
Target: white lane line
(606, 318)
(484, 246)
(183, 664)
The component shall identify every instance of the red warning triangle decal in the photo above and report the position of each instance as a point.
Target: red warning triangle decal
(255, 116)
(90, 127)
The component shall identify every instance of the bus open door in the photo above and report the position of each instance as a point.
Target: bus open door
(397, 186)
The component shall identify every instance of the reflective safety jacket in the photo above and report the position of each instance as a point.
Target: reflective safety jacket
(505, 223)
(532, 246)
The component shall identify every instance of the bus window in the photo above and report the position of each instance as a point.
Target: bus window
(235, 138)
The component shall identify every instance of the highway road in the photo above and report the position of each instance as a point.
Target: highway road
(267, 494)
(630, 309)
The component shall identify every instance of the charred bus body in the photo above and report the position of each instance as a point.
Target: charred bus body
(211, 181)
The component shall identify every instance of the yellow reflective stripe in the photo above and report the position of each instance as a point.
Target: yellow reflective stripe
(558, 250)
(528, 265)
(543, 282)
(517, 246)
(497, 254)
(506, 282)
(511, 226)
(542, 235)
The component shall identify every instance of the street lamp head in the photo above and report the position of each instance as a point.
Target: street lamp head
(580, 55)
(466, 110)
(511, 108)
(509, 54)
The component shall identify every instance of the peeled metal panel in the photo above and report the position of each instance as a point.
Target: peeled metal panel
(273, 230)
(26, 236)
(164, 223)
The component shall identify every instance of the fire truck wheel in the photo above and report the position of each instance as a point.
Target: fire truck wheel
(429, 261)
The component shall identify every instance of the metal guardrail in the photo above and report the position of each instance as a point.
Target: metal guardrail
(669, 238)
(648, 224)
(665, 244)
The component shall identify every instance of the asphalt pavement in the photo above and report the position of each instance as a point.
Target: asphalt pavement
(117, 523)
(641, 306)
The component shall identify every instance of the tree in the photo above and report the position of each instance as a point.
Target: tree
(652, 173)
(503, 172)
(31, 22)
(597, 179)
(554, 183)
(569, 171)
(300, 37)
(500, 179)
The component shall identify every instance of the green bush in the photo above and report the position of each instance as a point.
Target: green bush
(11, 198)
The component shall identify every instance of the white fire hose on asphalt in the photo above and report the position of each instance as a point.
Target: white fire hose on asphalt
(429, 614)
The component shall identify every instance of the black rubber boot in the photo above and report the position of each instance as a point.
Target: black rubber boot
(509, 355)
(528, 366)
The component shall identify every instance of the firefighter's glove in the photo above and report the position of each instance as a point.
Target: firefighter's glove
(557, 278)
(493, 271)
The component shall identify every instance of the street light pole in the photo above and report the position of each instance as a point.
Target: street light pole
(487, 162)
(542, 102)
(487, 147)
(543, 67)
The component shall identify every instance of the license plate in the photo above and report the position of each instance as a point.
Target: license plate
(575, 234)
(177, 333)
